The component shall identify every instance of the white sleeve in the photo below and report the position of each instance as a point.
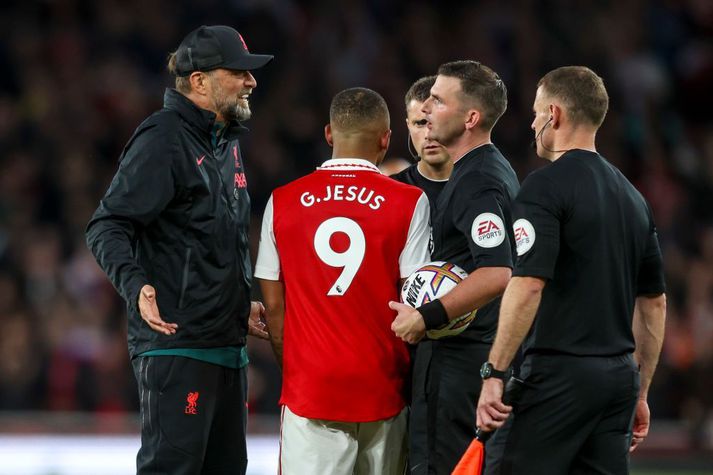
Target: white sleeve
(416, 253)
(268, 260)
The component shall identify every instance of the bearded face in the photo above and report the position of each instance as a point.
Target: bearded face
(230, 94)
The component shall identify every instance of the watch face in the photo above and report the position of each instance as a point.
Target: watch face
(485, 370)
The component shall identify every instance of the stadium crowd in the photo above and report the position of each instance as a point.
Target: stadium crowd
(78, 77)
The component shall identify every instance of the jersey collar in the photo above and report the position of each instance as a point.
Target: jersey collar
(429, 179)
(471, 151)
(349, 164)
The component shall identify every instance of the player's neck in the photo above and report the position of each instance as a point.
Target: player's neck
(580, 139)
(436, 173)
(467, 142)
(356, 152)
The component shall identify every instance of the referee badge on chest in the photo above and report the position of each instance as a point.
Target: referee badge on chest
(488, 230)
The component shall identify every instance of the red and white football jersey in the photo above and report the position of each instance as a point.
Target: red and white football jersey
(340, 239)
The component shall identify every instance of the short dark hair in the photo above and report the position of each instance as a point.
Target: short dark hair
(356, 109)
(183, 84)
(582, 92)
(481, 84)
(420, 90)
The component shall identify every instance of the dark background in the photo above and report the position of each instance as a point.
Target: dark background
(76, 78)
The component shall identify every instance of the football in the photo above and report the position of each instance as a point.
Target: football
(432, 281)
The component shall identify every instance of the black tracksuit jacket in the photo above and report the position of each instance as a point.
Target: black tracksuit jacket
(176, 216)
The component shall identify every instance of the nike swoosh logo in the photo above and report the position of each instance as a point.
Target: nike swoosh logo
(199, 161)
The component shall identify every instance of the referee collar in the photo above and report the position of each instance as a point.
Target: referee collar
(353, 164)
(472, 150)
(429, 179)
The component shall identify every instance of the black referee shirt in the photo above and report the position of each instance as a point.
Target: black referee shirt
(412, 176)
(583, 226)
(472, 224)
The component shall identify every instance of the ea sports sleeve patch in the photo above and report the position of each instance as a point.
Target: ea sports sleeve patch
(488, 230)
(525, 235)
(536, 228)
(479, 215)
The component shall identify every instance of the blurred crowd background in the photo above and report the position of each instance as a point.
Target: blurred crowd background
(77, 76)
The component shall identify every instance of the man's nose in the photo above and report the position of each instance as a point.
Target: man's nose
(426, 106)
(250, 80)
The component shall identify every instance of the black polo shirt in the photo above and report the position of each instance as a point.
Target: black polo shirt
(412, 176)
(583, 226)
(472, 224)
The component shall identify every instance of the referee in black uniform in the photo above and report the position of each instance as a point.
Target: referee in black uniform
(471, 228)
(434, 165)
(430, 173)
(588, 287)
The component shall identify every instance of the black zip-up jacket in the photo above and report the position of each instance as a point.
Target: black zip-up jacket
(176, 216)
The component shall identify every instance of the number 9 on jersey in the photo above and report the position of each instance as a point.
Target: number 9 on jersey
(350, 259)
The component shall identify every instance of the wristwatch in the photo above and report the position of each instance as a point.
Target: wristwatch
(488, 371)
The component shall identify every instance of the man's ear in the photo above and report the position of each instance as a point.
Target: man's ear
(385, 140)
(556, 115)
(328, 135)
(472, 119)
(199, 82)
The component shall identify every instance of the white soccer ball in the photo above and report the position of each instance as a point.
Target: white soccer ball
(432, 281)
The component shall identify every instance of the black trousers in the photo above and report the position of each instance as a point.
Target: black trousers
(193, 417)
(574, 417)
(445, 390)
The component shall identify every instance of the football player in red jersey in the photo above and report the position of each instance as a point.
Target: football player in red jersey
(334, 248)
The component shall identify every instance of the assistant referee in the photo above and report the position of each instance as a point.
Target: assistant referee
(588, 287)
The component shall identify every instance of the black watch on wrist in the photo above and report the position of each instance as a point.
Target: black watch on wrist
(488, 371)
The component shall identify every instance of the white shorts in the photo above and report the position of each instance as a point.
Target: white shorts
(316, 447)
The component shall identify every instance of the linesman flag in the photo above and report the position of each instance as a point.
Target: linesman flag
(471, 463)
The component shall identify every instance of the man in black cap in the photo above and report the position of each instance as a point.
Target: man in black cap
(172, 235)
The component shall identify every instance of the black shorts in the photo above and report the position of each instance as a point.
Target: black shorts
(574, 417)
(193, 417)
(445, 390)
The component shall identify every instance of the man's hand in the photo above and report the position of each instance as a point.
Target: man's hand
(641, 423)
(408, 324)
(150, 314)
(491, 412)
(256, 322)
